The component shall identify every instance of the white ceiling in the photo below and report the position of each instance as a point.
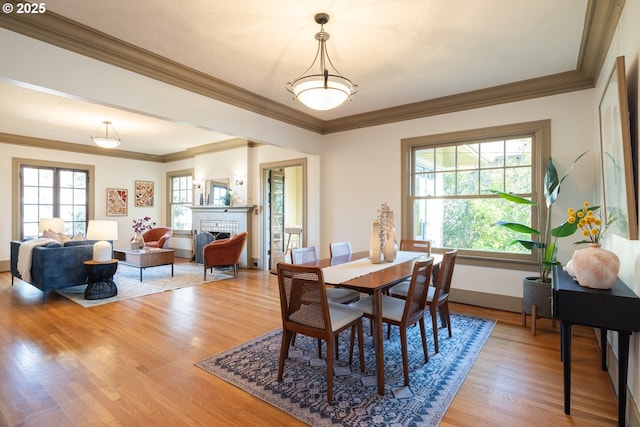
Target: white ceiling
(397, 51)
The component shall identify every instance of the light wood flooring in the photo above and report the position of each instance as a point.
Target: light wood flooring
(131, 363)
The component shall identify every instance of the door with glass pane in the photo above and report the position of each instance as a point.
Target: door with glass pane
(276, 217)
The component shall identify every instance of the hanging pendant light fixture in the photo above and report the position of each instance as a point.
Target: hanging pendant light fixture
(106, 141)
(327, 89)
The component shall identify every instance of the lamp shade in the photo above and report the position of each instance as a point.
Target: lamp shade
(53, 224)
(102, 231)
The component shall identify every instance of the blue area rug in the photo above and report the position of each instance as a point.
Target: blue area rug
(253, 367)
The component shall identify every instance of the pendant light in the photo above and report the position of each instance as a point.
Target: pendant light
(325, 88)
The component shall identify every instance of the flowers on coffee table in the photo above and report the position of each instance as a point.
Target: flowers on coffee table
(142, 224)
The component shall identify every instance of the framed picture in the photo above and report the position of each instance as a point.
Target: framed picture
(617, 170)
(117, 201)
(144, 193)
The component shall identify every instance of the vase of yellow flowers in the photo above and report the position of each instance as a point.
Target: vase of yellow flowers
(594, 266)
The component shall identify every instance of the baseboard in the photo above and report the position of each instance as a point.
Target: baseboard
(483, 299)
(5, 265)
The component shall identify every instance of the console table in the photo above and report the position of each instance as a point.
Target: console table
(616, 309)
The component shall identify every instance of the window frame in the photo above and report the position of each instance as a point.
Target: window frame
(541, 149)
(17, 208)
(169, 186)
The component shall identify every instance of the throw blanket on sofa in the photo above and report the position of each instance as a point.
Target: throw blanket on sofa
(24, 256)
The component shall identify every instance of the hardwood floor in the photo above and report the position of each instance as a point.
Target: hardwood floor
(131, 363)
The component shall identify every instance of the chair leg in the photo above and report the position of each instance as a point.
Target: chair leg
(205, 273)
(423, 334)
(405, 354)
(351, 343)
(329, 371)
(448, 316)
(434, 325)
(361, 345)
(284, 352)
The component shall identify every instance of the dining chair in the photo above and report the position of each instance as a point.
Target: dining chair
(400, 289)
(322, 319)
(407, 312)
(304, 255)
(337, 295)
(339, 249)
(438, 297)
(416, 245)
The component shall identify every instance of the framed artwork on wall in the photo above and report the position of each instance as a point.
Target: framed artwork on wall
(144, 193)
(615, 141)
(117, 201)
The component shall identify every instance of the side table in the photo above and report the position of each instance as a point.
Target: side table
(100, 282)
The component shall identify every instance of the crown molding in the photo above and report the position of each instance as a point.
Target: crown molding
(190, 153)
(601, 20)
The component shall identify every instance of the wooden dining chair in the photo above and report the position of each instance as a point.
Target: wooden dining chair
(405, 313)
(400, 290)
(321, 320)
(416, 245)
(438, 297)
(337, 295)
(339, 249)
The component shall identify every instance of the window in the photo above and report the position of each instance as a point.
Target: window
(180, 198)
(51, 190)
(448, 187)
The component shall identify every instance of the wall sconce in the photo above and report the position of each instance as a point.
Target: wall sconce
(239, 181)
(197, 185)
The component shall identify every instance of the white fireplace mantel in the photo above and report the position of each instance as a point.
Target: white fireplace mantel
(231, 219)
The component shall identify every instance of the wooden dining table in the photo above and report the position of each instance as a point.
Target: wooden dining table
(373, 279)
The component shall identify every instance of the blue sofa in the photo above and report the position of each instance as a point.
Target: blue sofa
(55, 266)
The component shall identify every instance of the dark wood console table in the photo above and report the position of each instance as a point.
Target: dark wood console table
(616, 309)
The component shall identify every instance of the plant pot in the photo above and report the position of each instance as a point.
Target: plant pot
(537, 300)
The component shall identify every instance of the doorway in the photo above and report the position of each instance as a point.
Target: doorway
(284, 219)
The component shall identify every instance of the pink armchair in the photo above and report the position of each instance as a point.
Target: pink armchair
(157, 237)
(224, 252)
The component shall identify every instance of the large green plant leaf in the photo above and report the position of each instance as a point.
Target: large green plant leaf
(519, 228)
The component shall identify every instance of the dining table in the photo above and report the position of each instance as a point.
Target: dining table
(356, 271)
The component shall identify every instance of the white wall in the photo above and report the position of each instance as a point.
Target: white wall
(361, 169)
(109, 173)
(626, 43)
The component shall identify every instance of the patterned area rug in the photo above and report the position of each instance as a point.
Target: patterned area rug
(253, 367)
(154, 280)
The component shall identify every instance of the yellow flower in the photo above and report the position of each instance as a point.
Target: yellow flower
(588, 221)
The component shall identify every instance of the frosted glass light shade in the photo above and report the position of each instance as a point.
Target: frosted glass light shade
(102, 231)
(53, 224)
(311, 91)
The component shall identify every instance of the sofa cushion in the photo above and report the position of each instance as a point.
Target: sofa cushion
(50, 234)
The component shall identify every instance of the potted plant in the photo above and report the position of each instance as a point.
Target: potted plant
(537, 292)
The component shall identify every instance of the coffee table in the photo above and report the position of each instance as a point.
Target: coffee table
(145, 258)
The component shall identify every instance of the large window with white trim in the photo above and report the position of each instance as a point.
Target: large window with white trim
(180, 198)
(448, 187)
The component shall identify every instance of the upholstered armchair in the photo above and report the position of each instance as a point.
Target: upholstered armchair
(224, 253)
(158, 237)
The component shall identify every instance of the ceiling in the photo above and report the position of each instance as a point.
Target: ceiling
(400, 52)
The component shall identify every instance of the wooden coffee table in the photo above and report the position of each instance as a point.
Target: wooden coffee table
(145, 258)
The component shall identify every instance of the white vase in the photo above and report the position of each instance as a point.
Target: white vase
(137, 242)
(595, 267)
(375, 253)
(390, 249)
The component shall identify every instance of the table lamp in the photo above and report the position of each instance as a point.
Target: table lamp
(53, 224)
(102, 231)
